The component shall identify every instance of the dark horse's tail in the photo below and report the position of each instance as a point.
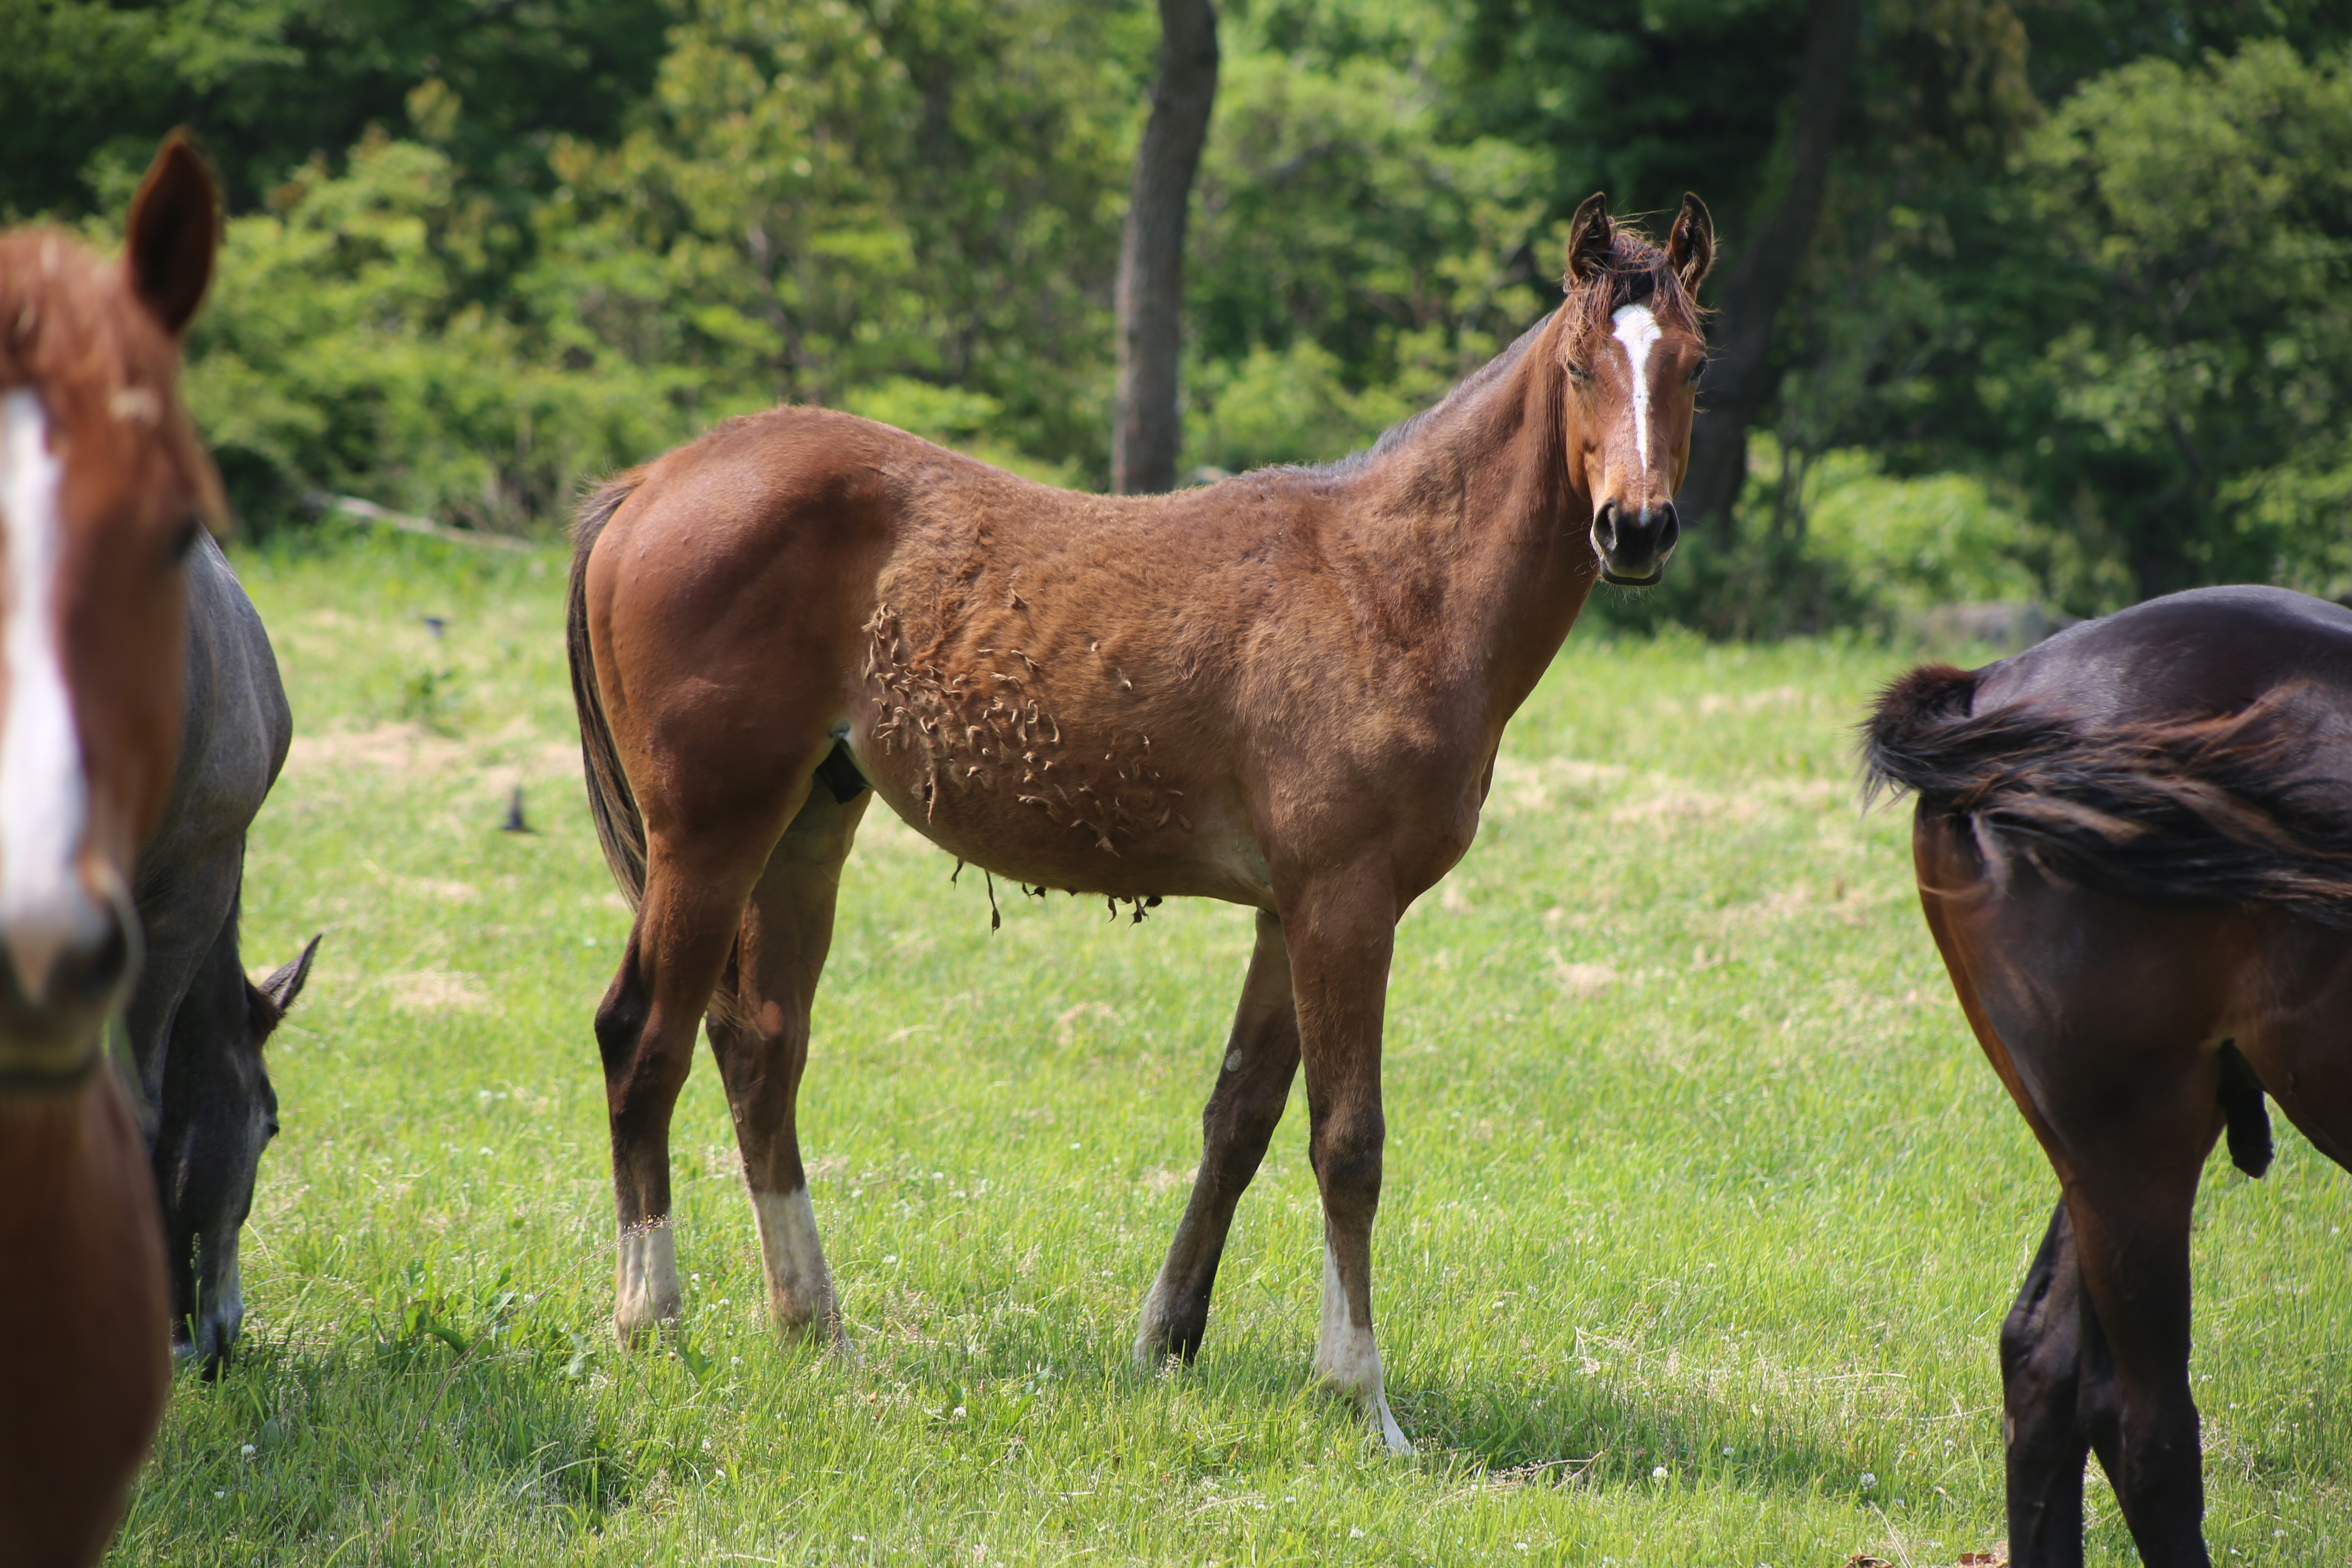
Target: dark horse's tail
(619, 827)
(2224, 808)
(2227, 809)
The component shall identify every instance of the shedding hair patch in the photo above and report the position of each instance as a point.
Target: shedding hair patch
(989, 730)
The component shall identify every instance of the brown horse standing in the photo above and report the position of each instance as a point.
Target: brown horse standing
(1285, 690)
(103, 489)
(2133, 844)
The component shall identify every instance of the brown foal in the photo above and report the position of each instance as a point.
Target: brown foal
(1283, 690)
(103, 489)
(2133, 845)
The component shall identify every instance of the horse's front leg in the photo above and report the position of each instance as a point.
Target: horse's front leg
(1261, 1058)
(1341, 935)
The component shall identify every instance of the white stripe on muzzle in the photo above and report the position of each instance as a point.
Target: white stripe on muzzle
(44, 798)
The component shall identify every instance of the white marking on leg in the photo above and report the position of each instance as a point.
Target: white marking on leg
(1347, 1360)
(43, 795)
(1638, 331)
(645, 1293)
(1233, 1061)
(800, 1288)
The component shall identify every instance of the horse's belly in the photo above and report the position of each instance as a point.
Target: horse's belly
(1090, 821)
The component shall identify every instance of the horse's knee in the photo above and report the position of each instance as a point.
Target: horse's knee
(1346, 1158)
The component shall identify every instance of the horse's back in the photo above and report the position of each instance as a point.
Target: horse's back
(235, 726)
(2206, 651)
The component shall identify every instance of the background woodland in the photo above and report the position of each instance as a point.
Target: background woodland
(2072, 323)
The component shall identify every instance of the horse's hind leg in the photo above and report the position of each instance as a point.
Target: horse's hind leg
(762, 1047)
(2041, 1372)
(696, 884)
(1261, 1058)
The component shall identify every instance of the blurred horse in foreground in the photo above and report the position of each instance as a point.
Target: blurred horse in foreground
(105, 492)
(2133, 845)
(1285, 690)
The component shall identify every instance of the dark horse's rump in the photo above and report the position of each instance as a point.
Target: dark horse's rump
(2134, 849)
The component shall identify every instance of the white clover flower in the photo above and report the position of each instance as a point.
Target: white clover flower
(1659, 1474)
(1868, 1480)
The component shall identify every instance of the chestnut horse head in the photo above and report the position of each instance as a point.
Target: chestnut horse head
(103, 489)
(1632, 346)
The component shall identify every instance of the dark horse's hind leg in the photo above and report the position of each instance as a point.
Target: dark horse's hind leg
(2058, 1389)
(762, 1049)
(1260, 1060)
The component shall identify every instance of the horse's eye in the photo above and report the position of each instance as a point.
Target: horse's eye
(1696, 371)
(1578, 372)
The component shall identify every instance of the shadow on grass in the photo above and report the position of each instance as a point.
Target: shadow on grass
(295, 1446)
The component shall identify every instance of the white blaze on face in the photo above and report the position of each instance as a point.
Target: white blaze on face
(1638, 331)
(43, 796)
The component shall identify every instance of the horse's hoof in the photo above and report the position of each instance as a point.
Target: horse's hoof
(646, 1333)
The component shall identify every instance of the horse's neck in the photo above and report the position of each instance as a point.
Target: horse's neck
(1475, 512)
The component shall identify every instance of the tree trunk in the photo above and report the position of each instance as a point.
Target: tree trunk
(1145, 431)
(1740, 378)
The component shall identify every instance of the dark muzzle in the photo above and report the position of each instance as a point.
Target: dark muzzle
(1633, 546)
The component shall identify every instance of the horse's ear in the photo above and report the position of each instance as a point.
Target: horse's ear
(1589, 238)
(1690, 249)
(173, 232)
(285, 983)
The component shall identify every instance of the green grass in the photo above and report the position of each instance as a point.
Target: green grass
(1692, 1165)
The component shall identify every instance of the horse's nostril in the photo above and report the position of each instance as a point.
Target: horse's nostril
(1669, 529)
(1604, 527)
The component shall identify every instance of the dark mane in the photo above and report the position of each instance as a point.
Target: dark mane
(1638, 274)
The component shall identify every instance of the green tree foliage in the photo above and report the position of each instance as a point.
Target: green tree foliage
(266, 83)
(1352, 260)
(343, 351)
(818, 196)
(2074, 321)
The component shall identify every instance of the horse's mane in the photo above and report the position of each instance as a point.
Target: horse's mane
(1638, 273)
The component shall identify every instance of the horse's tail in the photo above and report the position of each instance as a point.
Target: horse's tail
(2230, 808)
(620, 828)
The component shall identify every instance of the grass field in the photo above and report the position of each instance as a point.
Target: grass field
(1701, 1209)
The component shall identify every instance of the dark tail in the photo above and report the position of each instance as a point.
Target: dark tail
(2227, 809)
(619, 827)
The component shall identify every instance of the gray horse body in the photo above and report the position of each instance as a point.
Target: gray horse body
(196, 1025)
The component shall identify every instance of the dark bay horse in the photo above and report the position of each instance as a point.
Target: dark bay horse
(2133, 844)
(196, 1025)
(1283, 690)
(104, 491)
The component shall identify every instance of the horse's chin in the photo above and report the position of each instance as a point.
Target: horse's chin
(1657, 575)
